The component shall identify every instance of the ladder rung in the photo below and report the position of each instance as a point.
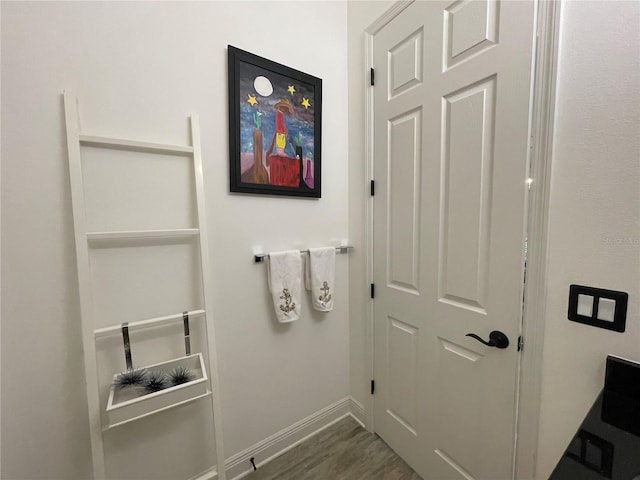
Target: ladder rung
(124, 144)
(141, 324)
(208, 393)
(172, 233)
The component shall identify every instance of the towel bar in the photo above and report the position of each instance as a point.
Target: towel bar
(259, 257)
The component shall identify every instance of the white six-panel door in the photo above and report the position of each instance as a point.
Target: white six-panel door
(451, 123)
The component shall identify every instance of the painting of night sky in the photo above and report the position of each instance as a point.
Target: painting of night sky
(276, 111)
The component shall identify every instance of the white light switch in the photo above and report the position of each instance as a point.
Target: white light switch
(606, 309)
(585, 305)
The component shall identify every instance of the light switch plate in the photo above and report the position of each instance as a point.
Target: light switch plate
(608, 307)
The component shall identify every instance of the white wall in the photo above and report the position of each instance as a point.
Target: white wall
(139, 69)
(594, 230)
(360, 15)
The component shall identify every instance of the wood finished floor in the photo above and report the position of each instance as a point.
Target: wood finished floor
(344, 451)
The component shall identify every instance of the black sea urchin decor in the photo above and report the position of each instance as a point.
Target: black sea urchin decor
(160, 390)
(130, 378)
(180, 375)
(154, 382)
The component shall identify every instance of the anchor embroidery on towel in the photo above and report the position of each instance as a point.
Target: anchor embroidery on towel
(326, 296)
(288, 304)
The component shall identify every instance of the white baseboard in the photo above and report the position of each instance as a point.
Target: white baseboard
(271, 447)
(357, 412)
(211, 474)
(238, 466)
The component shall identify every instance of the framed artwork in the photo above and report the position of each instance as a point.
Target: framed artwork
(275, 127)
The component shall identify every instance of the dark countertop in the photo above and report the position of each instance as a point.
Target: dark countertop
(607, 444)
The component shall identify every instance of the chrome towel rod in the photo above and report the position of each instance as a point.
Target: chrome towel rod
(259, 257)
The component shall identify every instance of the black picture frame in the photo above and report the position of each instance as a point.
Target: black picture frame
(275, 128)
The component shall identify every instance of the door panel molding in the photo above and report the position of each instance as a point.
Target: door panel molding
(475, 38)
(460, 350)
(452, 463)
(401, 370)
(542, 112)
(402, 81)
(463, 267)
(403, 232)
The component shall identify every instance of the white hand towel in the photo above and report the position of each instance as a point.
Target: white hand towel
(320, 277)
(284, 274)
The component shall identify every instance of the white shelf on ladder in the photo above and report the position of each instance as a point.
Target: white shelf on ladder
(87, 239)
(134, 145)
(152, 322)
(140, 234)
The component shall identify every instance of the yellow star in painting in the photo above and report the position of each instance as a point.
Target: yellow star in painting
(305, 103)
(291, 89)
(252, 99)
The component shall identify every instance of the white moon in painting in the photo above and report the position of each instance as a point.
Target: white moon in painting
(263, 86)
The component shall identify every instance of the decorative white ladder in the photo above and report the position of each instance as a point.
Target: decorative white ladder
(84, 240)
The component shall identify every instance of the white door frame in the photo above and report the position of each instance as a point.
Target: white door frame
(542, 103)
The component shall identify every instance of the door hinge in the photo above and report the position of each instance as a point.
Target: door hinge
(520, 343)
(373, 291)
(373, 187)
(373, 76)
(373, 387)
